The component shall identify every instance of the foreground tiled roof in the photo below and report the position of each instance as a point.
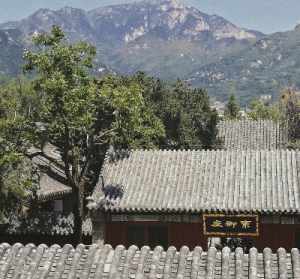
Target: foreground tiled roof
(197, 181)
(97, 262)
(250, 134)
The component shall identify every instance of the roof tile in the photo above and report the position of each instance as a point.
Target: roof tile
(252, 134)
(196, 181)
(105, 262)
(53, 182)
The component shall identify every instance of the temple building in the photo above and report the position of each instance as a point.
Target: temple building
(246, 191)
(176, 197)
(53, 193)
(47, 215)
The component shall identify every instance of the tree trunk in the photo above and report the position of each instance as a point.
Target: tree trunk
(78, 213)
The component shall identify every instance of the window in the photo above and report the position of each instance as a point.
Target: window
(150, 235)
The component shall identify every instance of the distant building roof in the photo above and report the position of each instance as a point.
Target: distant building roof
(105, 262)
(201, 181)
(251, 134)
(53, 182)
(51, 188)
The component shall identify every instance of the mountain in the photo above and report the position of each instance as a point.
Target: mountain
(11, 51)
(168, 39)
(266, 67)
(161, 37)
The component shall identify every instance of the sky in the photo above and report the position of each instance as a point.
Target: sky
(267, 16)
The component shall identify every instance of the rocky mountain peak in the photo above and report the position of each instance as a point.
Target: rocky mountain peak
(175, 4)
(70, 10)
(164, 19)
(150, 30)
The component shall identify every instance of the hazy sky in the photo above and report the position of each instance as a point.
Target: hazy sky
(263, 15)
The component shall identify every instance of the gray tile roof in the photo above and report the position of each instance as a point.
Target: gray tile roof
(53, 183)
(95, 262)
(201, 181)
(250, 134)
(51, 188)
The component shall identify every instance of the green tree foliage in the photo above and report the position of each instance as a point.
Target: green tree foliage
(131, 114)
(232, 110)
(16, 182)
(18, 177)
(290, 104)
(185, 112)
(67, 107)
(82, 116)
(261, 110)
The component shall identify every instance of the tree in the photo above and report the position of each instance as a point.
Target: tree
(232, 110)
(290, 104)
(260, 110)
(185, 112)
(81, 116)
(18, 177)
(16, 182)
(197, 127)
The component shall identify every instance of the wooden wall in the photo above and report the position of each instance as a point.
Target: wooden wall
(191, 234)
(179, 234)
(278, 235)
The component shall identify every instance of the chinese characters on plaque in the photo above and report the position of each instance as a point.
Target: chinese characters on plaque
(230, 225)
